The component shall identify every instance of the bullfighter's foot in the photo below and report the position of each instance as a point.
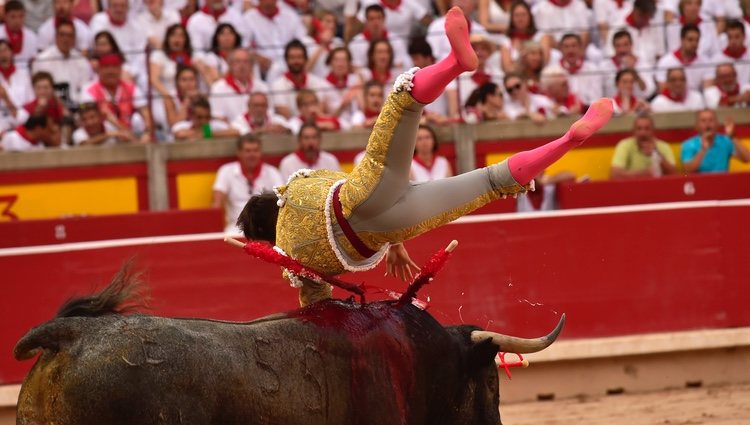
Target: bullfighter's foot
(457, 30)
(595, 118)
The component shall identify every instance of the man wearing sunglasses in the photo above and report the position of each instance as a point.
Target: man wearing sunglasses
(521, 104)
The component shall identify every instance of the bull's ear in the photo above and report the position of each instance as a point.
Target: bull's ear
(482, 352)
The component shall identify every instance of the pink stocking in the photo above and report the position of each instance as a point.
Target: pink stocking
(429, 82)
(524, 166)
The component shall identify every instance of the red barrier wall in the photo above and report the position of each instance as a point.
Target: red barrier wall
(614, 271)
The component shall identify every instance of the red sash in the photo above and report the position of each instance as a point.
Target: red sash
(366, 34)
(252, 176)
(116, 22)
(572, 69)
(302, 158)
(351, 236)
(685, 61)
(21, 130)
(182, 58)
(633, 101)
(338, 83)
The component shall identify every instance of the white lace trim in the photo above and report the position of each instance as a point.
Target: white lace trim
(404, 81)
(303, 172)
(368, 263)
(294, 280)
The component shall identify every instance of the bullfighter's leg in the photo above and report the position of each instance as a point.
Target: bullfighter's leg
(382, 177)
(430, 205)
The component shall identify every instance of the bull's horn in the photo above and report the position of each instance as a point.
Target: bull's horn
(512, 344)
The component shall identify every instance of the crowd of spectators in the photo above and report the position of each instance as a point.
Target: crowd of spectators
(165, 70)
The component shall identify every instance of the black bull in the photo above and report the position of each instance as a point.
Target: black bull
(334, 362)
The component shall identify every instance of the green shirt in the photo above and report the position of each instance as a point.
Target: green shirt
(628, 157)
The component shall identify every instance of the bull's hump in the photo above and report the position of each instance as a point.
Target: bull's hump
(351, 318)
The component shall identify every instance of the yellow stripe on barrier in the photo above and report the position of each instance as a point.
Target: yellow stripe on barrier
(75, 197)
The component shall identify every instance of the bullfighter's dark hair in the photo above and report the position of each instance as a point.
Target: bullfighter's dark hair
(258, 219)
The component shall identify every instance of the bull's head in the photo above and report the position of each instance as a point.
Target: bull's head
(480, 402)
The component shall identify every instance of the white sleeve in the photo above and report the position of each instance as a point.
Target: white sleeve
(712, 97)
(221, 184)
(240, 124)
(79, 136)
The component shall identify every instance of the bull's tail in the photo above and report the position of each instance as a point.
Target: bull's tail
(124, 294)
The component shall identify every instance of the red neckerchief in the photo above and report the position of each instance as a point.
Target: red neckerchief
(53, 109)
(252, 176)
(560, 3)
(298, 85)
(369, 113)
(672, 97)
(388, 5)
(116, 22)
(214, 13)
(631, 21)
(533, 87)
(15, 39)
(724, 100)
(697, 21)
(569, 101)
(536, 197)
(182, 58)
(338, 83)
(521, 35)
(236, 86)
(480, 78)
(252, 122)
(686, 62)
(21, 130)
(572, 69)
(746, 18)
(8, 72)
(381, 77)
(735, 55)
(419, 161)
(366, 34)
(270, 15)
(633, 100)
(302, 158)
(620, 3)
(323, 119)
(618, 64)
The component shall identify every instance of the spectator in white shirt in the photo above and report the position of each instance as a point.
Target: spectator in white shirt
(129, 37)
(66, 64)
(259, 118)
(584, 76)
(321, 41)
(560, 17)
(556, 87)
(625, 58)
(23, 41)
(214, 62)
(374, 97)
(201, 125)
(268, 28)
(237, 181)
(34, 134)
(15, 87)
(445, 108)
(697, 67)
(646, 28)
(690, 14)
(345, 81)
(676, 96)
(494, 15)
(427, 165)
(728, 92)
(374, 29)
(285, 88)
(521, 31)
(202, 24)
(64, 12)
(155, 20)
(488, 68)
(381, 63)
(626, 101)
(308, 154)
(736, 51)
(520, 104)
(187, 88)
(401, 17)
(95, 130)
(607, 12)
(229, 94)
